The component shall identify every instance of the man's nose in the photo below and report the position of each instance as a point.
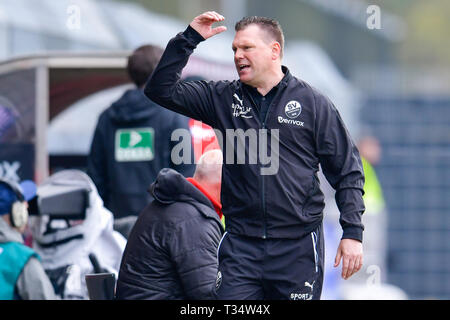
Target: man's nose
(238, 54)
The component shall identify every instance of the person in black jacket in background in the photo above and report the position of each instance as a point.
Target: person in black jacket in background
(132, 142)
(171, 251)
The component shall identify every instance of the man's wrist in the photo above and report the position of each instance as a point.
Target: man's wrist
(355, 233)
(193, 35)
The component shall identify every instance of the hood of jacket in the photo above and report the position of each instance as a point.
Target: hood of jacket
(132, 106)
(170, 187)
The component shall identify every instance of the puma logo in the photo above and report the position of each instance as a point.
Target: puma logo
(304, 296)
(307, 284)
(239, 110)
(237, 98)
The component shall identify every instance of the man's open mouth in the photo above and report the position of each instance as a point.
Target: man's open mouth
(243, 67)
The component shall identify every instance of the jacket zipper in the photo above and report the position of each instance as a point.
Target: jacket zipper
(263, 200)
(263, 183)
(280, 89)
(262, 176)
(263, 187)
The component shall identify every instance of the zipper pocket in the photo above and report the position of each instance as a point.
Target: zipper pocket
(312, 191)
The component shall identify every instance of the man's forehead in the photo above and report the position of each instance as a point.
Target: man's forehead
(250, 29)
(250, 33)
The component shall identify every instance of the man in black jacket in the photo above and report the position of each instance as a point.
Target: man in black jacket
(271, 196)
(171, 251)
(132, 142)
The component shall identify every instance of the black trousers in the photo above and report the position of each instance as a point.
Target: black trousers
(256, 269)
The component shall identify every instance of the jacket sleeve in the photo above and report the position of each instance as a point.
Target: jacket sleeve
(96, 162)
(33, 283)
(186, 169)
(193, 98)
(341, 165)
(195, 256)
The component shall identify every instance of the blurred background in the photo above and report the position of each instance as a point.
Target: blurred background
(385, 65)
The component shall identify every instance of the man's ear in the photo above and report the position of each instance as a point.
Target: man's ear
(276, 50)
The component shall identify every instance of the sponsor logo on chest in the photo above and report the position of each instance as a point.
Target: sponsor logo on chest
(292, 111)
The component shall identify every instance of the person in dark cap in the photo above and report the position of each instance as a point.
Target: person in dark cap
(22, 276)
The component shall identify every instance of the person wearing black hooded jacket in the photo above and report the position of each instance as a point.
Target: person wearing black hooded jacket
(171, 251)
(132, 142)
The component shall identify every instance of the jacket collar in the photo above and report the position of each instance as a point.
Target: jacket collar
(217, 206)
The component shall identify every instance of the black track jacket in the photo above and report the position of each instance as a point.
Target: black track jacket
(287, 201)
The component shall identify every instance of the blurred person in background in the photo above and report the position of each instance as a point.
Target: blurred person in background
(375, 220)
(78, 243)
(274, 246)
(372, 283)
(132, 143)
(171, 251)
(22, 277)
